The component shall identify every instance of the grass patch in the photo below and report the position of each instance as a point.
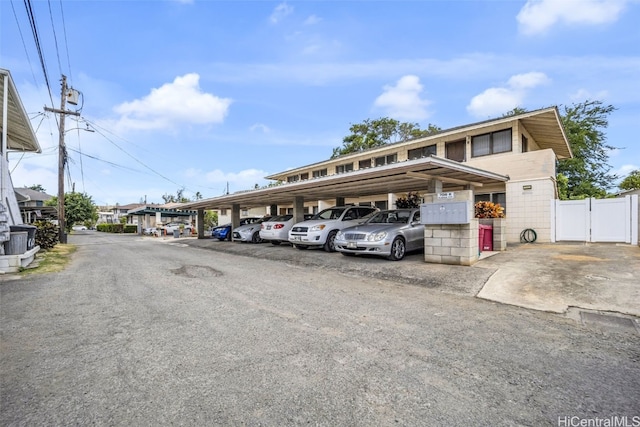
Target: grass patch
(50, 261)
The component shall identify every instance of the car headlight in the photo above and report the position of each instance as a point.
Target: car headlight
(377, 236)
(339, 235)
(318, 227)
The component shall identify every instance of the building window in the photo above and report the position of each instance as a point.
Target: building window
(381, 204)
(319, 173)
(456, 150)
(363, 164)
(293, 178)
(418, 153)
(500, 198)
(344, 168)
(304, 176)
(525, 144)
(386, 160)
(491, 143)
(223, 212)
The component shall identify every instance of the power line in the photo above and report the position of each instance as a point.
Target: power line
(24, 45)
(36, 38)
(133, 157)
(66, 44)
(55, 37)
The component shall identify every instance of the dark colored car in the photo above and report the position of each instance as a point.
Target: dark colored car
(223, 232)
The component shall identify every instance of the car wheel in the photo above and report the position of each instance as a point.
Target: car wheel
(330, 244)
(275, 242)
(398, 249)
(301, 247)
(256, 237)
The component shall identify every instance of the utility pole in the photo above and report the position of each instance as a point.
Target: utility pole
(62, 157)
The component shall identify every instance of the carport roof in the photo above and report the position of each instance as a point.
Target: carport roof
(402, 177)
(20, 135)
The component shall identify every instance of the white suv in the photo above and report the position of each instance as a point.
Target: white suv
(322, 228)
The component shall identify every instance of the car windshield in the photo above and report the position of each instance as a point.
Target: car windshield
(264, 219)
(390, 217)
(281, 218)
(331, 213)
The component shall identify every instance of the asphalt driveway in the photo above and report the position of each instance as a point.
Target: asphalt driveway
(547, 277)
(135, 332)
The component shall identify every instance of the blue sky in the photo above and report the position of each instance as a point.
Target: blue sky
(198, 94)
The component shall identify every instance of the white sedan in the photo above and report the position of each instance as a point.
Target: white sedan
(276, 230)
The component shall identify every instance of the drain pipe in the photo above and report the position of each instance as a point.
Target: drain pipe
(5, 157)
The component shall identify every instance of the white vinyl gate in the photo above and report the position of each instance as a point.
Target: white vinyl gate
(597, 220)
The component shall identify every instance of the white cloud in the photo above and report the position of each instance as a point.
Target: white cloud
(181, 101)
(259, 127)
(499, 100)
(625, 170)
(537, 16)
(403, 101)
(280, 12)
(582, 94)
(243, 180)
(312, 20)
(527, 81)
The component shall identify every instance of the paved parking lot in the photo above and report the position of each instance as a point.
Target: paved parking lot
(547, 277)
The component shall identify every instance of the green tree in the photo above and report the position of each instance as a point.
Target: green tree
(587, 172)
(379, 132)
(210, 219)
(631, 181)
(37, 187)
(78, 208)
(178, 198)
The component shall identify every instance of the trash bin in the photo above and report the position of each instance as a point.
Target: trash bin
(485, 237)
(17, 243)
(31, 234)
(176, 233)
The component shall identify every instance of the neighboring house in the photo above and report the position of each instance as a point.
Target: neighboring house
(524, 147)
(153, 215)
(224, 215)
(32, 205)
(628, 193)
(17, 136)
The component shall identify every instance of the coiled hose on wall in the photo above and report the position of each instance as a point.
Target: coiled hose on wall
(528, 236)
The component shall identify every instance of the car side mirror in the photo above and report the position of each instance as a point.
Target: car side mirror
(414, 223)
(347, 218)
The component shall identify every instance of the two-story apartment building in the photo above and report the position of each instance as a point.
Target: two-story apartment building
(524, 147)
(510, 160)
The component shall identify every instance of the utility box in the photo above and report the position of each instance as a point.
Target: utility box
(445, 213)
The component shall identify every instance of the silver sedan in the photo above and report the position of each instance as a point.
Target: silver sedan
(250, 231)
(391, 233)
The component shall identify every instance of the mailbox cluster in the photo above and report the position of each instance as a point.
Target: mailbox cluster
(445, 213)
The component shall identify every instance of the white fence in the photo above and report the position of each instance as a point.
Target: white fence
(596, 220)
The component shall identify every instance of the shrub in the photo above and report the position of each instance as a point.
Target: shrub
(489, 210)
(47, 234)
(130, 228)
(411, 200)
(110, 228)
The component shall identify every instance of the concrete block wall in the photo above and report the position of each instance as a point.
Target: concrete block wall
(455, 244)
(529, 206)
(499, 232)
